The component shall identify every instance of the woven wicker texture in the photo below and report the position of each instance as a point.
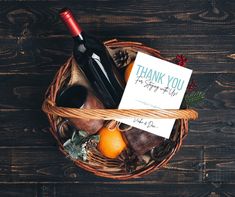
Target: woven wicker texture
(97, 163)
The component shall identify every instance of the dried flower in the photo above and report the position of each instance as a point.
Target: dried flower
(192, 86)
(181, 60)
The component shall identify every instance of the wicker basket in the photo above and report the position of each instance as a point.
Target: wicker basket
(98, 164)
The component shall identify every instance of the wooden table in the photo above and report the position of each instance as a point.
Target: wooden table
(34, 43)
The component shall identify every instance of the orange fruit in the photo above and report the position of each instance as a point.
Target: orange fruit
(111, 143)
(128, 71)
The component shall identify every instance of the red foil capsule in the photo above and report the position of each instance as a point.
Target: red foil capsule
(67, 17)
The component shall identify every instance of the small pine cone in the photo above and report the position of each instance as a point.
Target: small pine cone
(128, 161)
(158, 153)
(120, 58)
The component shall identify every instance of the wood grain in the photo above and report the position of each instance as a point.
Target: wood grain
(204, 32)
(34, 43)
(212, 54)
(38, 16)
(133, 190)
(18, 190)
(193, 164)
(212, 128)
(23, 91)
(47, 164)
(116, 190)
(220, 164)
(25, 128)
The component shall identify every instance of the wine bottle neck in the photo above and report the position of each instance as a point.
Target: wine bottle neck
(69, 20)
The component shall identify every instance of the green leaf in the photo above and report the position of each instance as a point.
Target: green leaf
(76, 146)
(96, 138)
(83, 133)
(194, 98)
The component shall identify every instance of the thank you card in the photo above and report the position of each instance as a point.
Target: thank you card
(154, 84)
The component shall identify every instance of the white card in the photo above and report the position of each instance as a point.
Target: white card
(154, 84)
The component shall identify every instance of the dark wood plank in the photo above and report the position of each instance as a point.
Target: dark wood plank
(220, 164)
(33, 56)
(5, 165)
(129, 189)
(218, 176)
(203, 17)
(27, 190)
(44, 190)
(25, 128)
(34, 43)
(213, 54)
(202, 32)
(23, 91)
(214, 127)
(47, 164)
(150, 190)
(220, 153)
(18, 190)
(190, 165)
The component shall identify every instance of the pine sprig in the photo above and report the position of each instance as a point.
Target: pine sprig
(76, 147)
(193, 98)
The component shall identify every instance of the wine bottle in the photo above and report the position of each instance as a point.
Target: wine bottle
(96, 63)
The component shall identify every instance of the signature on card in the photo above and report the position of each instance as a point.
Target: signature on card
(147, 123)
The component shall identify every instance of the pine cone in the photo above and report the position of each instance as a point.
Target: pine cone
(121, 58)
(128, 161)
(158, 153)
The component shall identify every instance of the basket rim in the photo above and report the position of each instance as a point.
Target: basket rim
(50, 107)
(53, 111)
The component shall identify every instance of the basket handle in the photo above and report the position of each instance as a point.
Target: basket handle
(110, 114)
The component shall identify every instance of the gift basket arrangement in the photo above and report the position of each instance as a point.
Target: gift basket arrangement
(81, 105)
